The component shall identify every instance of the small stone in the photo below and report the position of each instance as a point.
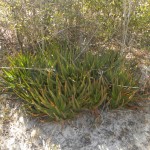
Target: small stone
(33, 133)
(21, 119)
(86, 139)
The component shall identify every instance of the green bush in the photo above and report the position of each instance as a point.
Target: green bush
(26, 24)
(56, 84)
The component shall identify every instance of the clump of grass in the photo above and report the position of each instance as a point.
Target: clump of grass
(55, 84)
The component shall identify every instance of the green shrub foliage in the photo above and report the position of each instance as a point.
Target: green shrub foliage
(26, 24)
(56, 84)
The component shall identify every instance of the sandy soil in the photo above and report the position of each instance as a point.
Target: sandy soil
(113, 130)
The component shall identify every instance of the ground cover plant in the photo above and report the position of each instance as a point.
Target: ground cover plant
(59, 84)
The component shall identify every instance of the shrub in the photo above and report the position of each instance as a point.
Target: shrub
(26, 24)
(56, 84)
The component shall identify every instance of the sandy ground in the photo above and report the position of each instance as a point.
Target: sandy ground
(113, 130)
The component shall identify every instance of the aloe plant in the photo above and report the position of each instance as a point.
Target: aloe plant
(51, 83)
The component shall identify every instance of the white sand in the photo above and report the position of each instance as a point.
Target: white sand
(116, 130)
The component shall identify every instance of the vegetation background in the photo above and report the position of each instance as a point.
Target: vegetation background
(25, 24)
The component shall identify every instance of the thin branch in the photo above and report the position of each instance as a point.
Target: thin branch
(85, 48)
(23, 68)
